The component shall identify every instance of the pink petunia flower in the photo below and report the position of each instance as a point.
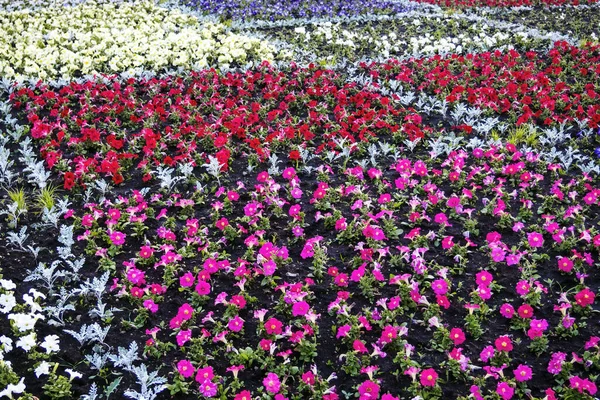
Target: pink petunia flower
(208, 389)
(272, 383)
(585, 297)
(457, 336)
(505, 391)
(243, 395)
(236, 324)
(523, 373)
(484, 278)
(204, 374)
(428, 377)
(368, 390)
(525, 311)
(185, 368)
(503, 343)
(183, 336)
(117, 238)
(273, 326)
(507, 310)
(535, 239)
(565, 264)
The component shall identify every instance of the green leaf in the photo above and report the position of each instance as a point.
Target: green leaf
(112, 387)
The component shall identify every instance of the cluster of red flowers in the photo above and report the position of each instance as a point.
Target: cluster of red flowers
(560, 86)
(99, 128)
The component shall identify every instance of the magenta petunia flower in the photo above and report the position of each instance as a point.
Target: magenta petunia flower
(447, 242)
(150, 305)
(388, 334)
(187, 280)
(523, 373)
(146, 252)
(556, 362)
(136, 276)
(359, 346)
(342, 331)
(505, 391)
(368, 390)
(439, 286)
(185, 368)
(203, 288)
(378, 234)
(484, 278)
(272, 383)
(236, 324)
(503, 343)
(273, 326)
(185, 312)
(507, 310)
(523, 288)
(593, 342)
(428, 377)
(487, 353)
(208, 389)
(117, 238)
(457, 336)
(300, 308)
(535, 239)
(204, 374)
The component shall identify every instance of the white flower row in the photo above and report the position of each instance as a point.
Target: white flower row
(478, 37)
(109, 38)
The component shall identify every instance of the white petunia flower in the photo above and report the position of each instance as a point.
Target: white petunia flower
(6, 343)
(13, 389)
(7, 303)
(43, 369)
(73, 374)
(27, 342)
(7, 284)
(51, 344)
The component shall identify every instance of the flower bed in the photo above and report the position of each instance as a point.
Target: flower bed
(578, 21)
(273, 10)
(196, 222)
(189, 120)
(506, 3)
(109, 38)
(560, 87)
(403, 36)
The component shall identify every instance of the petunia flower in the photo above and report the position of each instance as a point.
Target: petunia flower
(585, 297)
(428, 377)
(185, 368)
(117, 238)
(523, 373)
(535, 239)
(208, 389)
(273, 326)
(503, 343)
(272, 383)
(505, 391)
(236, 324)
(457, 336)
(243, 395)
